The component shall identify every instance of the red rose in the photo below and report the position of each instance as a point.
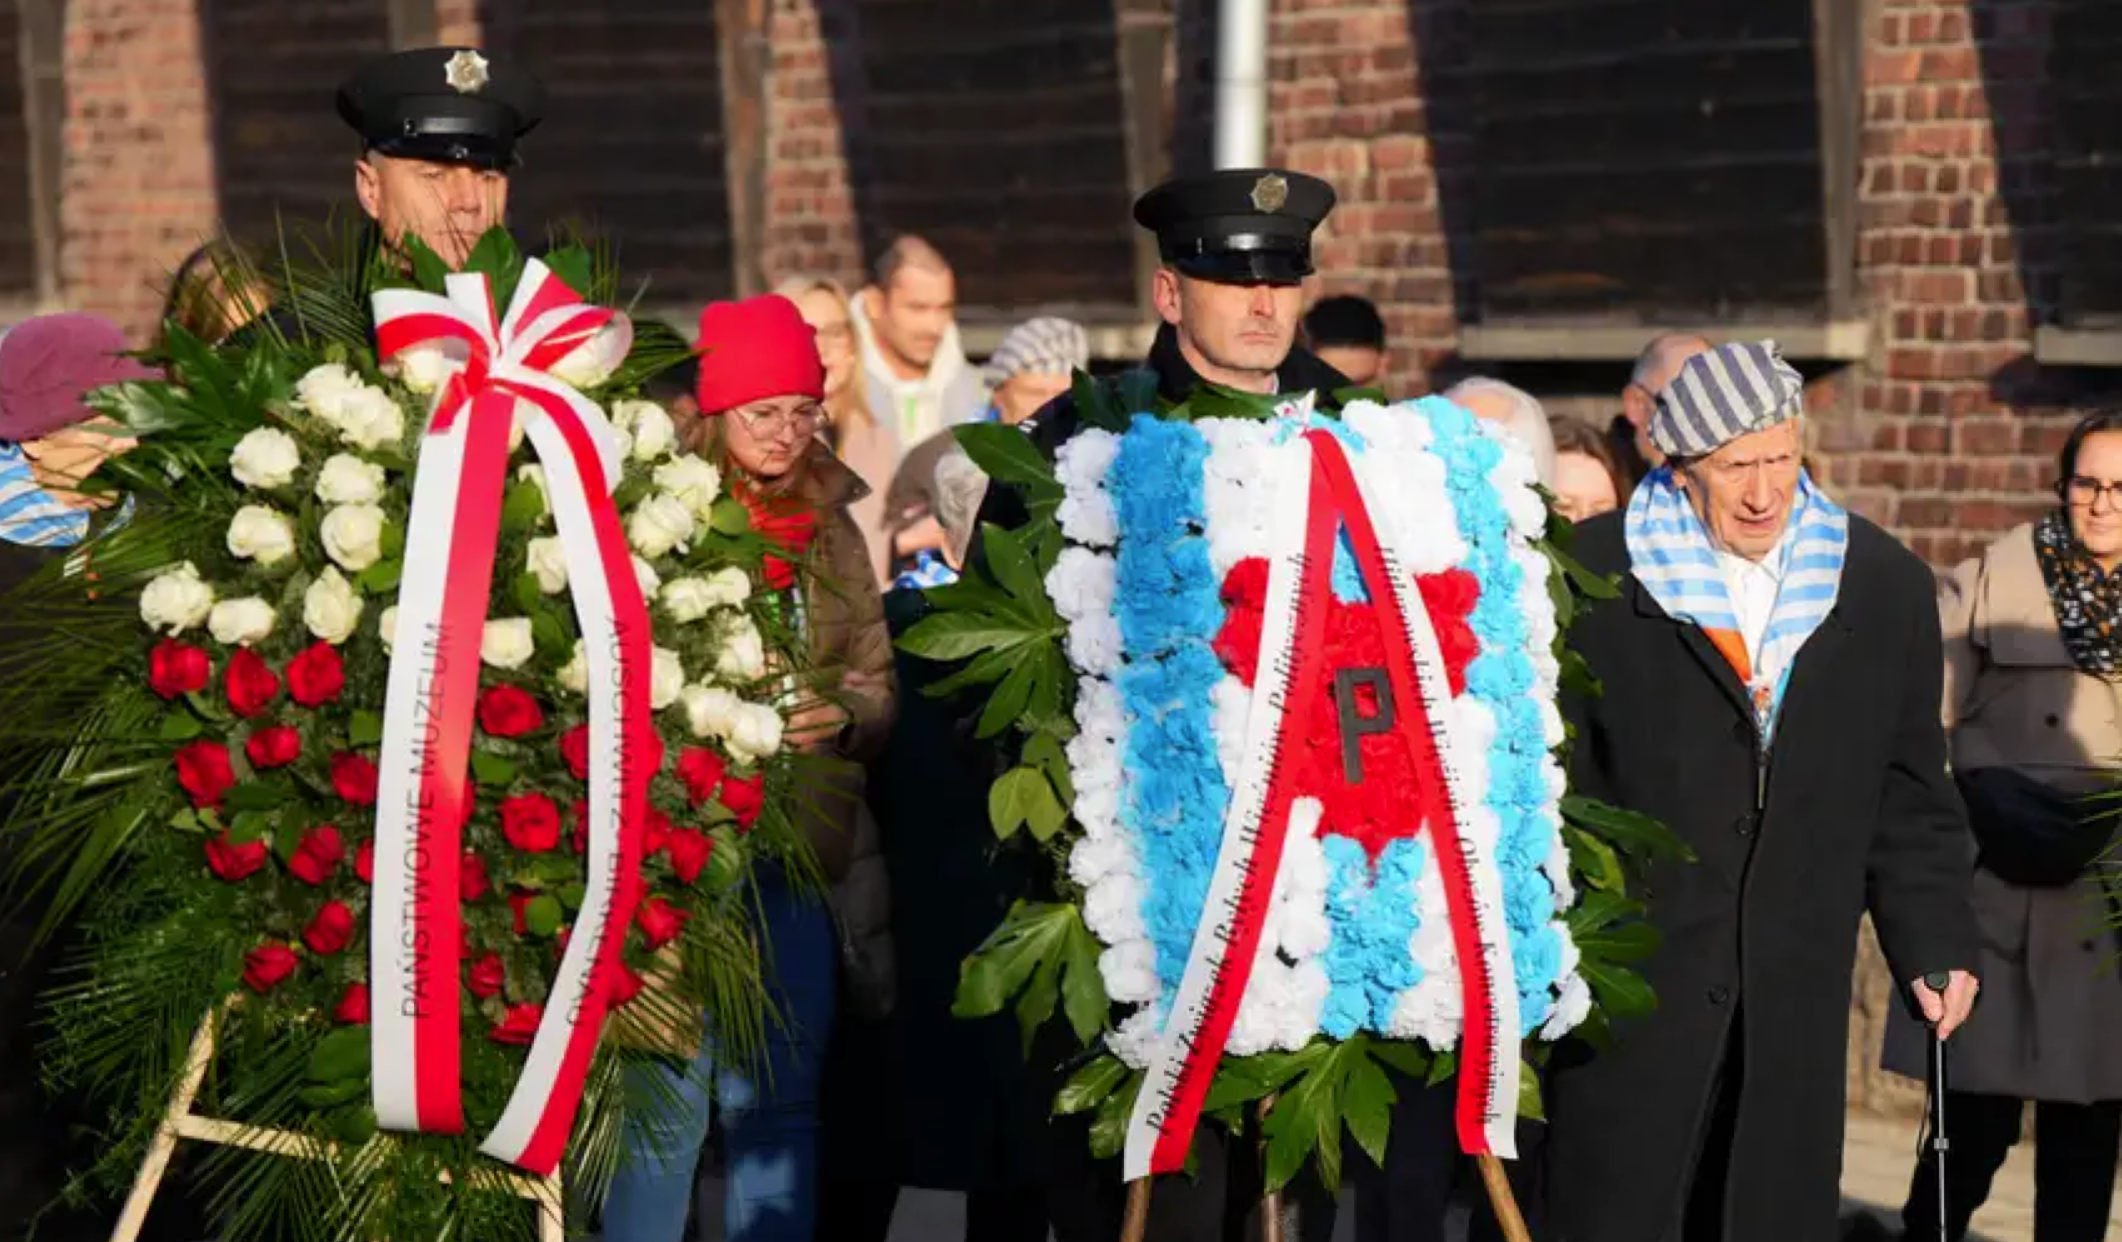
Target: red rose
(316, 676)
(517, 902)
(578, 812)
(265, 966)
(471, 877)
(353, 1007)
(354, 777)
(317, 855)
(487, 976)
(574, 747)
(234, 862)
(655, 754)
(661, 922)
(655, 833)
(531, 823)
(744, 796)
(175, 668)
(505, 711)
(274, 746)
(203, 768)
(625, 985)
(519, 1027)
(330, 931)
(251, 683)
(689, 849)
(700, 771)
(365, 862)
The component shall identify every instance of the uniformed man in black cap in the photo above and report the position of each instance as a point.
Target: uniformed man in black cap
(439, 128)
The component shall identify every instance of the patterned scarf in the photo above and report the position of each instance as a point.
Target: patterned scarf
(2087, 599)
(1670, 553)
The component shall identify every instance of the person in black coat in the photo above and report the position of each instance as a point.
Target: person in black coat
(1770, 674)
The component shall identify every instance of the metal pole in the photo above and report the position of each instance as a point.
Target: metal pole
(1241, 84)
(1939, 1144)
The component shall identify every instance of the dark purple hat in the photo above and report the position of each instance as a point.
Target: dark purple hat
(48, 364)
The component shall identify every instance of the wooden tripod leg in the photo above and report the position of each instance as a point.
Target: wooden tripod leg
(1136, 1226)
(1502, 1200)
(552, 1222)
(1271, 1202)
(164, 1145)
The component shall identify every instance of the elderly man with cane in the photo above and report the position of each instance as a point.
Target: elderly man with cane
(1770, 677)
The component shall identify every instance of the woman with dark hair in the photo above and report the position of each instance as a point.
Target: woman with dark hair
(1587, 483)
(2033, 708)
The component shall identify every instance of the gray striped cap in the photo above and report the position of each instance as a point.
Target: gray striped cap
(1724, 394)
(1048, 345)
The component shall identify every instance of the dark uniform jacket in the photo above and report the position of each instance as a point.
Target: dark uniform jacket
(1851, 812)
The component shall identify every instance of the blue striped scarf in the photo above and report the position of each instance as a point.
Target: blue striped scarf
(1670, 553)
(29, 517)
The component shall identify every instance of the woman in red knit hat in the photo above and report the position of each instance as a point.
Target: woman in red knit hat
(761, 392)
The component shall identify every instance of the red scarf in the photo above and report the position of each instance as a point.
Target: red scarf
(786, 523)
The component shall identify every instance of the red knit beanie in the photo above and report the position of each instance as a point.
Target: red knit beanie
(756, 348)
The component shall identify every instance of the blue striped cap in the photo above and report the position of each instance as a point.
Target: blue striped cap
(1724, 394)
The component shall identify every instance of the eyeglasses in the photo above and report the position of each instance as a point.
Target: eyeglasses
(773, 423)
(2088, 493)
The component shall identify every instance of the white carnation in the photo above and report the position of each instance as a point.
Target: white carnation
(348, 480)
(710, 711)
(267, 457)
(506, 643)
(176, 600)
(687, 599)
(728, 587)
(692, 480)
(659, 525)
(548, 563)
(755, 734)
(330, 608)
(328, 391)
(387, 627)
(574, 675)
(353, 536)
(371, 420)
(742, 656)
(261, 534)
(240, 622)
(666, 677)
(653, 432)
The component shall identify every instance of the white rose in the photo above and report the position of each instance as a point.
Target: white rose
(692, 480)
(261, 534)
(666, 677)
(534, 474)
(176, 600)
(424, 368)
(372, 420)
(728, 587)
(266, 457)
(387, 627)
(549, 563)
(755, 734)
(710, 711)
(574, 675)
(646, 577)
(327, 391)
(507, 643)
(348, 480)
(591, 363)
(353, 535)
(240, 622)
(743, 653)
(688, 599)
(659, 525)
(330, 608)
(653, 433)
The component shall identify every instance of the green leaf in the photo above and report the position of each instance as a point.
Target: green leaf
(523, 508)
(549, 634)
(969, 592)
(1014, 572)
(1594, 860)
(573, 266)
(1047, 815)
(572, 895)
(1342, 398)
(259, 795)
(1630, 831)
(1089, 1086)
(144, 408)
(1008, 700)
(1045, 752)
(1094, 405)
(1031, 938)
(495, 255)
(340, 1055)
(542, 915)
(729, 517)
(1367, 1107)
(1082, 987)
(981, 669)
(1584, 581)
(428, 267)
(353, 1126)
(1622, 942)
(1597, 910)
(1216, 401)
(1306, 1119)
(1005, 454)
(391, 539)
(492, 769)
(380, 578)
(1577, 676)
(1016, 798)
(186, 820)
(529, 597)
(1108, 1130)
(180, 727)
(334, 1094)
(1035, 1004)
(365, 728)
(248, 826)
(1529, 1106)
(1621, 992)
(954, 636)
(1441, 1067)
(1410, 1059)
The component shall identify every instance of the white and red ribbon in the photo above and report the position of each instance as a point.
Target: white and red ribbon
(1316, 492)
(423, 797)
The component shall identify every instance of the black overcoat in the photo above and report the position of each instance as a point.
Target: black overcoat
(1851, 811)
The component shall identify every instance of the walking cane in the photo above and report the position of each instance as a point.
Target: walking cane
(1939, 1144)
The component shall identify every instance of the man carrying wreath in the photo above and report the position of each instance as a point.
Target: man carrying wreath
(1770, 679)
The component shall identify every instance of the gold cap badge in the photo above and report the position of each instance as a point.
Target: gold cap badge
(1270, 192)
(466, 72)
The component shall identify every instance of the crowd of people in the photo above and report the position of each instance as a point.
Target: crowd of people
(1774, 675)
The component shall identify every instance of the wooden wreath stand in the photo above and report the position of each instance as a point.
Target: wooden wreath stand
(180, 1122)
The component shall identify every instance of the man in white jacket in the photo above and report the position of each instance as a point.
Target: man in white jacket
(914, 370)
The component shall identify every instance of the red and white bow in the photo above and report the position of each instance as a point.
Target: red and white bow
(501, 371)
